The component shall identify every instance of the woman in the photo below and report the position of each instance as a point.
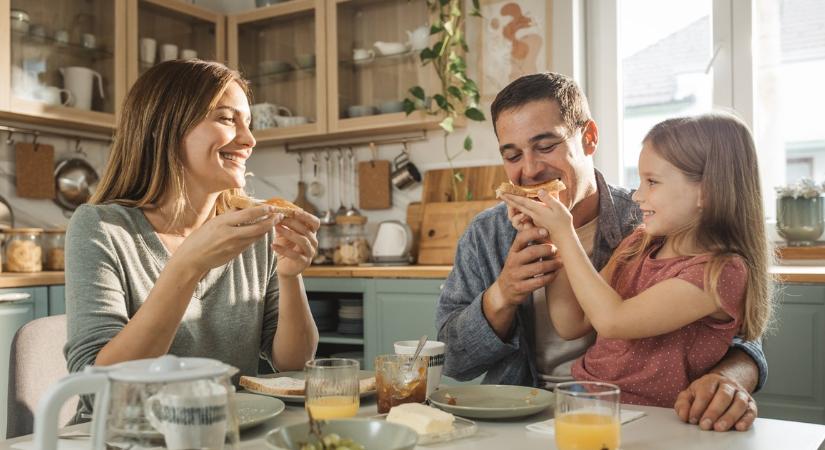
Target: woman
(159, 263)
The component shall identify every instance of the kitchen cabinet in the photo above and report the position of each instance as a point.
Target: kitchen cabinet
(330, 67)
(162, 29)
(76, 45)
(13, 315)
(795, 389)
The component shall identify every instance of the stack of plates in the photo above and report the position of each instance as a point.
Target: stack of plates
(350, 317)
(323, 311)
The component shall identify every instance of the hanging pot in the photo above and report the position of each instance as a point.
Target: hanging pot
(75, 182)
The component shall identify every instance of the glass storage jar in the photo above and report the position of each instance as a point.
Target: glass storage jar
(54, 242)
(352, 247)
(24, 252)
(327, 241)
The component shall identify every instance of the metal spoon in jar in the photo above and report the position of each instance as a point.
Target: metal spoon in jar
(408, 368)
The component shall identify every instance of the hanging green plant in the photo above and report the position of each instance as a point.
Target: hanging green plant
(457, 94)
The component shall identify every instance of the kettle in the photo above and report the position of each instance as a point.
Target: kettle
(166, 402)
(418, 39)
(392, 243)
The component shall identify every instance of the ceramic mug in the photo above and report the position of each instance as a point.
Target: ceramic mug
(61, 37)
(168, 52)
(287, 121)
(52, 96)
(88, 40)
(189, 415)
(148, 50)
(405, 173)
(188, 53)
(264, 115)
(362, 54)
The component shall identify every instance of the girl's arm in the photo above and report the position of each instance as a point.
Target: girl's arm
(565, 312)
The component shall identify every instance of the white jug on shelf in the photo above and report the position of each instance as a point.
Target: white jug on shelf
(80, 81)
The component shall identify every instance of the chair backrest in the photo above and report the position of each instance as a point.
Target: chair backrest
(36, 363)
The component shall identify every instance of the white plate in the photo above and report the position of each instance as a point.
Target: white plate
(461, 428)
(299, 375)
(252, 410)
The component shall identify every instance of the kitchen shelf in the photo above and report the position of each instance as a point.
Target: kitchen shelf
(94, 54)
(337, 338)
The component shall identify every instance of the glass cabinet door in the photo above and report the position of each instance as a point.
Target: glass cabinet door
(162, 30)
(376, 43)
(279, 49)
(65, 59)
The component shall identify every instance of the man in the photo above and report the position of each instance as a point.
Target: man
(492, 313)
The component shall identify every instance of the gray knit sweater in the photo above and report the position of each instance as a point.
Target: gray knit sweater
(114, 257)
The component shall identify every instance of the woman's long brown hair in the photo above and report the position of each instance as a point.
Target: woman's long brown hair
(717, 150)
(145, 165)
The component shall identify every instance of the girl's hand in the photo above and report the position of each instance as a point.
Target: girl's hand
(549, 213)
(224, 237)
(296, 243)
(519, 220)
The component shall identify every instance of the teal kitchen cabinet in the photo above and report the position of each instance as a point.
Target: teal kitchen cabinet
(57, 300)
(13, 315)
(795, 389)
(398, 310)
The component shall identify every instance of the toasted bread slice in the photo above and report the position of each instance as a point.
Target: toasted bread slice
(274, 386)
(291, 386)
(285, 207)
(553, 187)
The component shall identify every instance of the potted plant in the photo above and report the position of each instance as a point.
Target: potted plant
(800, 212)
(457, 95)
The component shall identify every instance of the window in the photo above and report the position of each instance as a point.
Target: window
(762, 59)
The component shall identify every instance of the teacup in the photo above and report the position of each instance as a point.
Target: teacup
(362, 55)
(360, 110)
(88, 40)
(188, 53)
(390, 48)
(61, 37)
(52, 96)
(189, 415)
(433, 349)
(168, 52)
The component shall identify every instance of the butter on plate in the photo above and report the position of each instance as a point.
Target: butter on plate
(421, 418)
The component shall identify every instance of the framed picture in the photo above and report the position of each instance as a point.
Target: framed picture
(513, 40)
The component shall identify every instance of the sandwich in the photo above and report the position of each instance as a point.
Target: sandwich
(285, 207)
(553, 187)
(291, 386)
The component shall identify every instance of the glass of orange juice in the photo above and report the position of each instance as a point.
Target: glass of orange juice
(332, 388)
(587, 416)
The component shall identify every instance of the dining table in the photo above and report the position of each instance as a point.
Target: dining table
(658, 429)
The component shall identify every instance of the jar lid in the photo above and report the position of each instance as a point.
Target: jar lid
(55, 231)
(167, 368)
(25, 230)
(351, 220)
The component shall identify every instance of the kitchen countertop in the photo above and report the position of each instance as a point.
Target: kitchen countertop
(786, 274)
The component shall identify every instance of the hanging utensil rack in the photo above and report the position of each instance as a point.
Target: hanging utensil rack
(399, 138)
(77, 136)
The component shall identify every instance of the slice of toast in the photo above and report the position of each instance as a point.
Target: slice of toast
(553, 187)
(274, 386)
(282, 206)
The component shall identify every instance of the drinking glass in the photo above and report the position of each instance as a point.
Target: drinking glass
(587, 416)
(332, 388)
(400, 380)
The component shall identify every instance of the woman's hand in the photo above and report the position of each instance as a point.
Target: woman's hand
(296, 243)
(224, 237)
(548, 213)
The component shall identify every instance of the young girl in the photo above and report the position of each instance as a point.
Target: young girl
(694, 274)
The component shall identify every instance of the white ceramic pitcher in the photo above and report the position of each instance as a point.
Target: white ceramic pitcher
(80, 81)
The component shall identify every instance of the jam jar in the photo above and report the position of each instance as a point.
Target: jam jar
(353, 247)
(54, 242)
(24, 251)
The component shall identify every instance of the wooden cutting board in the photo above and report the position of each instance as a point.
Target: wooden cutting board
(374, 191)
(442, 225)
(34, 167)
(481, 182)
(415, 214)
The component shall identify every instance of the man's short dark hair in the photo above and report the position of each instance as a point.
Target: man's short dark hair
(545, 86)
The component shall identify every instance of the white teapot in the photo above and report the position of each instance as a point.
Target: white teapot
(418, 38)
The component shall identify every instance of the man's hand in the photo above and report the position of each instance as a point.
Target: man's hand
(528, 267)
(716, 402)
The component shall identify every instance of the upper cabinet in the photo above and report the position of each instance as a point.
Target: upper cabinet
(374, 47)
(281, 49)
(331, 67)
(161, 30)
(62, 62)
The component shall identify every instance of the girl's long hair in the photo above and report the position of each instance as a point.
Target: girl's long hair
(717, 150)
(164, 105)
